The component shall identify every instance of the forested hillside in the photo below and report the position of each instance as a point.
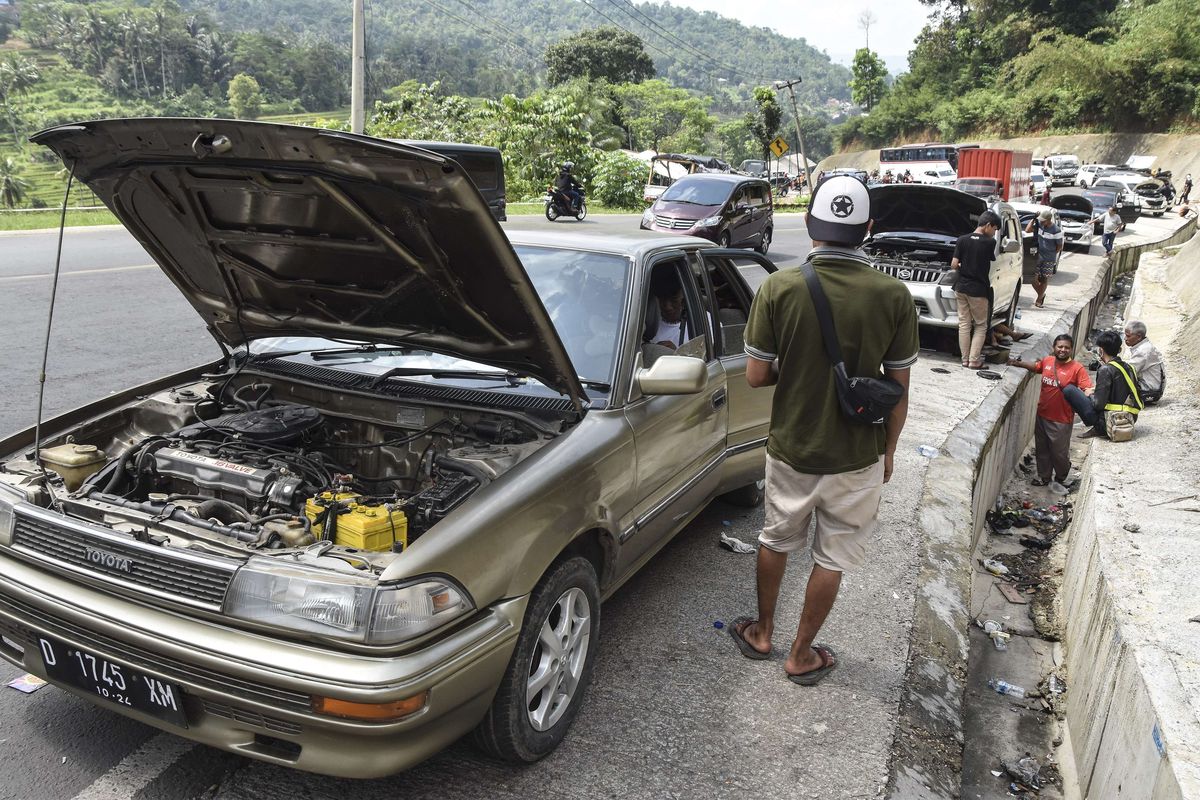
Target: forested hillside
(491, 47)
(1018, 67)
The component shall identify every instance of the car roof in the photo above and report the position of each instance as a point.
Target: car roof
(722, 177)
(633, 244)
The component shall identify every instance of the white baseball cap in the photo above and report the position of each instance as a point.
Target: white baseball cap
(839, 210)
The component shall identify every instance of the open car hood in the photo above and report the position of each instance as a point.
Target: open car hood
(921, 207)
(1072, 202)
(280, 230)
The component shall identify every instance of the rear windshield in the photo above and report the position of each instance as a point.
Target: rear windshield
(698, 192)
(485, 171)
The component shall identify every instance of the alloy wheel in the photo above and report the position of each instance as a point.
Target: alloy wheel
(558, 659)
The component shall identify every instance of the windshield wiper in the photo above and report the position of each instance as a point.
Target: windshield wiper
(600, 386)
(513, 378)
(322, 353)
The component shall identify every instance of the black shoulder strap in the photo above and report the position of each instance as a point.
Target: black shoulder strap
(821, 304)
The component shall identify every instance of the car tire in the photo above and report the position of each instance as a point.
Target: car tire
(1011, 316)
(765, 244)
(723, 239)
(565, 604)
(747, 496)
(551, 212)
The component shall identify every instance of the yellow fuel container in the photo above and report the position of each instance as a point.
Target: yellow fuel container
(363, 527)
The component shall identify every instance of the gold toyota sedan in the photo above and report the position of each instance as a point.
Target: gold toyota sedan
(386, 514)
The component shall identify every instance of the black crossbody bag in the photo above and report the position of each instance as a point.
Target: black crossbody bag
(865, 400)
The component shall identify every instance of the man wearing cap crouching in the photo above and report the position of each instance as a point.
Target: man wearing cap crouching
(819, 461)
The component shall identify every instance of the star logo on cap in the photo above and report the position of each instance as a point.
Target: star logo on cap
(842, 206)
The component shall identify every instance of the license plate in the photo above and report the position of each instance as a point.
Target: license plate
(114, 683)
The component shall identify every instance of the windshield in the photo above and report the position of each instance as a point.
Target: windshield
(583, 292)
(698, 192)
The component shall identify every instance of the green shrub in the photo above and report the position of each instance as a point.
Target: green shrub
(618, 180)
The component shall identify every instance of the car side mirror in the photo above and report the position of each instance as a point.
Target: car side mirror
(673, 375)
(1012, 246)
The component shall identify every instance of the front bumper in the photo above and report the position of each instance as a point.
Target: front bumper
(251, 694)
(709, 233)
(936, 305)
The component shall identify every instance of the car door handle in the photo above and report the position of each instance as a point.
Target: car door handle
(718, 398)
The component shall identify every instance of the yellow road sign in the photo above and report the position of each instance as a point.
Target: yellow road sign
(779, 147)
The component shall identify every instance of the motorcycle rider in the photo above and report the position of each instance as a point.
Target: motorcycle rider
(568, 185)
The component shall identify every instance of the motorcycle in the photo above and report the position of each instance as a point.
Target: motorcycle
(558, 204)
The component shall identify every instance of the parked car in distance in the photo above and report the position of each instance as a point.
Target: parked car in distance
(666, 168)
(913, 239)
(1075, 218)
(1102, 197)
(1136, 190)
(936, 177)
(754, 167)
(385, 513)
(1064, 169)
(1037, 184)
(731, 210)
(1089, 173)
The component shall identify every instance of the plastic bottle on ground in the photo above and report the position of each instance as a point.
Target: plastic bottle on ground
(929, 451)
(1004, 687)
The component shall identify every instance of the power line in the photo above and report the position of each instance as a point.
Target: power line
(489, 34)
(657, 28)
(588, 3)
(516, 36)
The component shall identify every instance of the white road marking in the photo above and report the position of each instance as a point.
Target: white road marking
(36, 275)
(138, 769)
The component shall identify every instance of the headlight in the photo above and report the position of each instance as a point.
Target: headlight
(948, 277)
(647, 217)
(9, 497)
(709, 222)
(341, 606)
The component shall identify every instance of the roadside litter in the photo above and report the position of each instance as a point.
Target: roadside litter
(736, 545)
(27, 684)
(1026, 775)
(1004, 687)
(929, 451)
(995, 632)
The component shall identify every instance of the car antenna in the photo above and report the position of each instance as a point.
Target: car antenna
(37, 428)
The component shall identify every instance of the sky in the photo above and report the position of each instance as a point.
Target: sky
(831, 26)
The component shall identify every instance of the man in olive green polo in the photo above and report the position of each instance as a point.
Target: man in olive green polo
(818, 460)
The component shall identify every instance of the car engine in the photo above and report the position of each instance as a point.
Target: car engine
(273, 474)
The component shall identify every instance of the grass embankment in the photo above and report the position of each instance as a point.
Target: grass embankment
(39, 220)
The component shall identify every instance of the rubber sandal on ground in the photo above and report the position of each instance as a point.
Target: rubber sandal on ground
(813, 677)
(748, 650)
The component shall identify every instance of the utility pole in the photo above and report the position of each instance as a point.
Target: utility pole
(790, 86)
(357, 69)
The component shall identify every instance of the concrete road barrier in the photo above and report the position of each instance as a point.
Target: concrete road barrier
(983, 450)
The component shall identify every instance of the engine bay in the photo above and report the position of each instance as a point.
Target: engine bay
(278, 466)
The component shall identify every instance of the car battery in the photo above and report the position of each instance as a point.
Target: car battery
(361, 526)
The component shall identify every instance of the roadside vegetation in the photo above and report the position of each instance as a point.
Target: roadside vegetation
(593, 94)
(999, 68)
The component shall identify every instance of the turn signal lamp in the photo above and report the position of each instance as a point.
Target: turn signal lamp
(370, 712)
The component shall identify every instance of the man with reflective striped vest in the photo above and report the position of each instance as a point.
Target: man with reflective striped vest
(1116, 394)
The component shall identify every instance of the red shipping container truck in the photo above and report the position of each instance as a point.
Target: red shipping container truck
(1010, 167)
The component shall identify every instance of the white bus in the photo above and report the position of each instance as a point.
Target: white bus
(927, 163)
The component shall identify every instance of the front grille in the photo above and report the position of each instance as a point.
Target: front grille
(673, 223)
(911, 274)
(922, 308)
(252, 718)
(169, 668)
(148, 567)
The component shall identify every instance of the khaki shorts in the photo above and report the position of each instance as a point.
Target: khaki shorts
(846, 506)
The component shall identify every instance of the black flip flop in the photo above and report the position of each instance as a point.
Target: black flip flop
(989, 375)
(748, 650)
(815, 676)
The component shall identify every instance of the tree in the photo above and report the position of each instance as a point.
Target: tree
(655, 114)
(865, 20)
(12, 186)
(606, 52)
(869, 83)
(245, 96)
(767, 118)
(17, 75)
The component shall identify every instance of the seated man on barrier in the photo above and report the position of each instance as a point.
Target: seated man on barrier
(1146, 361)
(1113, 407)
(1055, 415)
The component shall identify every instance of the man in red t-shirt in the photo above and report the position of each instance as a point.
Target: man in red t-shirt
(1052, 433)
